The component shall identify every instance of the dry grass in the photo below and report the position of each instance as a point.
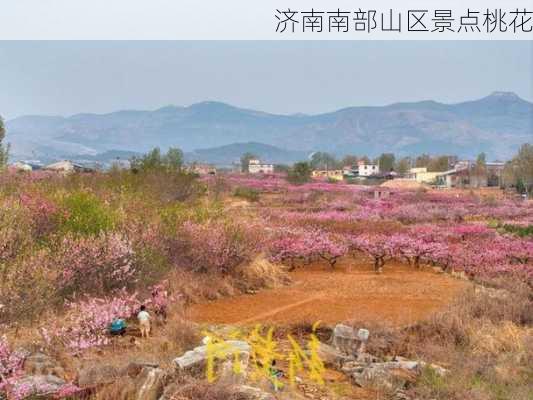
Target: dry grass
(261, 273)
(485, 339)
(200, 389)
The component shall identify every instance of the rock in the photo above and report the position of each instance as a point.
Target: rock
(253, 393)
(37, 385)
(331, 357)
(385, 373)
(366, 358)
(94, 376)
(150, 384)
(401, 395)
(42, 364)
(349, 340)
(381, 374)
(134, 368)
(195, 359)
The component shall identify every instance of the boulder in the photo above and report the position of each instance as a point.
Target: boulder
(150, 384)
(378, 374)
(195, 360)
(37, 385)
(253, 393)
(134, 368)
(331, 357)
(346, 339)
(385, 373)
(100, 375)
(42, 364)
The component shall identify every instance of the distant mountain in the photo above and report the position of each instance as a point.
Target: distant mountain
(496, 124)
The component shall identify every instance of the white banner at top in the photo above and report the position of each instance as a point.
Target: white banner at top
(266, 20)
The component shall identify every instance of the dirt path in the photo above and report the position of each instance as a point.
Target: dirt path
(401, 295)
(284, 309)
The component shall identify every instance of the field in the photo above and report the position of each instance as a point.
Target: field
(439, 276)
(399, 296)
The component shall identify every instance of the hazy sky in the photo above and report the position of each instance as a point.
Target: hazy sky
(64, 78)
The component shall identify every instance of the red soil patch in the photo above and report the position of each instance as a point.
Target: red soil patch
(401, 295)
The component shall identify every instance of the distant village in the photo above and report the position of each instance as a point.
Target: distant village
(460, 173)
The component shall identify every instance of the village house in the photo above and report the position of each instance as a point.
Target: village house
(255, 166)
(421, 175)
(20, 166)
(334, 174)
(364, 169)
(67, 167)
(465, 174)
(203, 169)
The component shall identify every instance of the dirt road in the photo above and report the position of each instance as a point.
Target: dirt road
(401, 295)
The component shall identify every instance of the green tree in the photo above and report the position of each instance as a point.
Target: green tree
(322, 160)
(85, 214)
(283, 168)
(438, 164)
(365, 159)
(481, 160)
(4, 150)
(245, 161)
(519, 171)
(299, 173)
(422, 161)
(349, 160)
(173, 160)
(403, 165)
(386, 162)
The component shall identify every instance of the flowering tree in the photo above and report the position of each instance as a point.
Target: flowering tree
(216, 246)
(307, 245)
(88, 320)
(44, 213)
(376, 246)
(95, 265)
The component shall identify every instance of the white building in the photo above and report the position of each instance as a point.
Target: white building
(367, 169)
(257, 167)
(21, 166)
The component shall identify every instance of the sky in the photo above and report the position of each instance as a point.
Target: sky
(285, 77)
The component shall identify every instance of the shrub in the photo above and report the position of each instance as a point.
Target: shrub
(246, 193)
(86, 214)
(27, 288)
(15, 230)
(216, 247)
(521, 231)
(300, 173)
(44, 213)
(200, 389)
(177, 214)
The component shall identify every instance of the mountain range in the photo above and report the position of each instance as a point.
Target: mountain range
(218, 132)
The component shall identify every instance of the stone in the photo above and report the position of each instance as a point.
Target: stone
(95, 376)
(253, 393)
(385, 373)
(134, 368)
(149, 384)
(42, 364)
(346, 339)
(331, 357)
(38, 385)
(196, 359)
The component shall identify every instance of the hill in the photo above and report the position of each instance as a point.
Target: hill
(496, 124)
